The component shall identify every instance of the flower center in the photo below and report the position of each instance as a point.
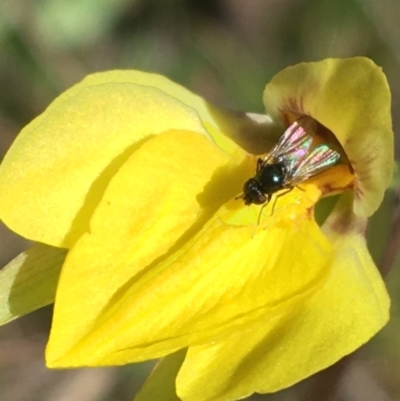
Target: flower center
(306, 164)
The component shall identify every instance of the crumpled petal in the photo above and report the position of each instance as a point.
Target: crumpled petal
(272, 354)
(158, 306)
(350, 97)
(29, 281)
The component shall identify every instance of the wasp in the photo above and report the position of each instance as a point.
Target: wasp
(294, 159)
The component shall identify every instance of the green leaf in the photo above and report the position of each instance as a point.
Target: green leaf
(29, 281)
(160, 386)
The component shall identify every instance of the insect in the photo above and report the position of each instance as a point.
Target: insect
(293, 160)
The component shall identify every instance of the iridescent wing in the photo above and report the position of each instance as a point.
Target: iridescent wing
(302, 160)
(292, 146)
(318, 160)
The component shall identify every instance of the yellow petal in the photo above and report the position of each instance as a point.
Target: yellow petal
(351, 98)
(271, 354)
(156, 196)
(56, 171)
(145, 80)
(188, 297)
(29, 281)
(253, 132)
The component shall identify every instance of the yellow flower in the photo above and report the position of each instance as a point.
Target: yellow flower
(137, 178)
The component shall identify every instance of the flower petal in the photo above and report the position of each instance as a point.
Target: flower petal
(271, 354)
(188, 297)
(253, 132)
(29, 281)
(57, 169)
(351, 98)
(156, 196)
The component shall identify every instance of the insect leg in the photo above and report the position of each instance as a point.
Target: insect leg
(278, 196)
(262, 208)
(259, 165)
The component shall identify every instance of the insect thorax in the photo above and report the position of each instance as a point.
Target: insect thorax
(272, 177)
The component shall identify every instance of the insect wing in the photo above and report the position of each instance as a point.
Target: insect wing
(320, 159)
(292, 145)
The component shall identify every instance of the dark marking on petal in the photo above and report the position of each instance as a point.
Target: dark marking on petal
(330, 189)
(346, 222)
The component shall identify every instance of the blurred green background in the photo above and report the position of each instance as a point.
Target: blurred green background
(225, 50)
